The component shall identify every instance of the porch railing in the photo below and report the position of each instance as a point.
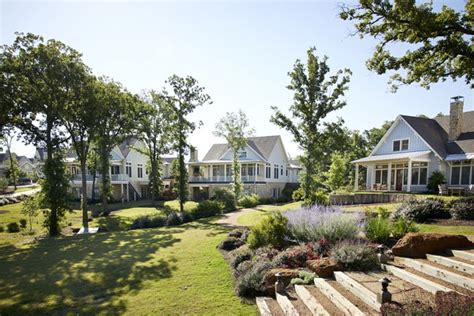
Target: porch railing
(224, 179)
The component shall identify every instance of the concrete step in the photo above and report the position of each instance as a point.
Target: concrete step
(452, 263)
(431, 269)
(464, 254)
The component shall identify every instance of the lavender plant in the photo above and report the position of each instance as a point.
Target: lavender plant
(323, 223)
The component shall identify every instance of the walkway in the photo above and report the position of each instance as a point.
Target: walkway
(230, 219)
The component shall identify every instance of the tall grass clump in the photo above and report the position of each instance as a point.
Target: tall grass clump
(323, 223)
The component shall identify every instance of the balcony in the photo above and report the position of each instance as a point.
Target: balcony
(223, 179)
(113, 177)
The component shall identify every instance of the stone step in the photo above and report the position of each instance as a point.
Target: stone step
(425, 284)
(366, 295)
(434, 271)
(465, 254)
(344, 301)
(286, 306)
(452, 263)
(310, 301)
(268, 306)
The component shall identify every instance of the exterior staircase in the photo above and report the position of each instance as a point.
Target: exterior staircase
(357, 293)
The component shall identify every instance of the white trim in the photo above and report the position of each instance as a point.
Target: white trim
(246, 145)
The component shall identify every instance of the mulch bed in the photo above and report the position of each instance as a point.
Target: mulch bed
(3, 212)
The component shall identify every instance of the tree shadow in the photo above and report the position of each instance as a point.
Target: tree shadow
(82, 274)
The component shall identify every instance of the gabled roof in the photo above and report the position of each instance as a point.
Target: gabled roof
(262, 145)
(126, 145)
(430, 131)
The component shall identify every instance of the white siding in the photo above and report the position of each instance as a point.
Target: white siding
(251, 155)
(402, 131)
(278, 157)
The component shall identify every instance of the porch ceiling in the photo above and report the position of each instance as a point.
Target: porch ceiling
(397, 156)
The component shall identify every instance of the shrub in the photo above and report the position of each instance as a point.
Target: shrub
(454, 304)
(421, 211)
(148, 221)
(403, 226)
(23, 223)
(294, 257)
(240, 255)
(298, 194)
(436, 179)
(185, 217)
(355, 256)
(251, 200)
(227, 197)
(3, 184)
(270, 231)
(173, 219)
(321, 248)
(462, 209)
(304, 278)
(230, 243)
(207, 209)
(378, 227)
(13, 227)
(322, 222)
(251, 282)
(2, 229)
(264, 200)
(318, 197)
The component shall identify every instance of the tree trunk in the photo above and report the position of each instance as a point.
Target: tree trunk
(85, 220)
(94, 173)
(50, 176)
(12, 167)
(182, 167)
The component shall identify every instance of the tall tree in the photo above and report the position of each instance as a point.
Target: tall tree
(118, 114)
(234, 128)
(37, 80)
(7, 140)
(80, 120)
(441, 41)
(375, 134)
(153, 131)
(336, 175)
(186, 96)
(316, 94)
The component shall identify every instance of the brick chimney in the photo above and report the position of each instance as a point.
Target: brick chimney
(456, 121)
(194, 155)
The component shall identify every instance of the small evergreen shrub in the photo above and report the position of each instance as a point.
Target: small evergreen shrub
(248, 201)
(287, 192)
(318, 197)
(355, 256)
(2, 229)
(227, 197)
(230, 243)
(251, 282)
(148, 221)
(13, 227)
(436, 179)
(304, 278)
(185, 217)
(240, 255)
(462, 209)
(173, 219)
(264, 200)
(207, 209)
(321, 247)
(270, 231)
(23, 223)
(421, 211)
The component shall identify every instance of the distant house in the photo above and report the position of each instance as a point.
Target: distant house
(414, 147)
(128, 172)
(24, 163)
(264, 167)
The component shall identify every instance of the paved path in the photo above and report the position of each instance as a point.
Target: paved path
(30, 192)
(230, 219)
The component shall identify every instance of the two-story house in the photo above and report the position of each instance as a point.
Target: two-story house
(414, 147)
(264, 168)
(128, 172)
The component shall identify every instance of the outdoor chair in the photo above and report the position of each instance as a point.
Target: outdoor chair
(443, 189)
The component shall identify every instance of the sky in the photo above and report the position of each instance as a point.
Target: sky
(241, 52)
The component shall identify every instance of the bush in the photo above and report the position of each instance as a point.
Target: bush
(318, 197)
(270, 231)
(355, 256)
(2, 229)
(227, 197)
(13, 227)
(287, 192)
(421, 211)
(294, 257)
(251, 200)
(23, 223)
(207, 209)
(230, 243)
(173, 219)
(321, 248)
(462, 209)
(436, 179)
(148, 221)
(322, 222)
(265, 200)
(403, 226)
(185, 217)
(298, 194)
(251, 281)
(378, 227)
(240, 255)
(304, 278)
(3, 184)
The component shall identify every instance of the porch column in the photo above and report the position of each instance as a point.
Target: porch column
(225, 172)
(240, 172)
(121, 191)
(128, 194)
(409, 176)
(356, 180)
(255, 173)
(389, 177)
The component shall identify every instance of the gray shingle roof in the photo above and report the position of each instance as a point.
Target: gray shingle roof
(262, 145)
(435, 133)
(126, 145)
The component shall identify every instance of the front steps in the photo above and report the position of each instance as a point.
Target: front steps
(356, 293)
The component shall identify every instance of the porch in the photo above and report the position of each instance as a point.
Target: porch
(407, 172)
(221, 172)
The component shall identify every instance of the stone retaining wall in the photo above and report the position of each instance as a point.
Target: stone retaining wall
(368, 198)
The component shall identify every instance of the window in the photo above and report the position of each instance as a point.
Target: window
(243, 170)
(455, 175)
(381, 174)
(281, 170)
(250, 170)
(140, 170)
(462, 172)
(419, 173)
(217, 171)
(258, 170)
(287, 172)
(128, 169)
(228, 171)
(242, 154)
(268, 171)
(401, 144)
(275, 171)
(465, 173)
(115, 169)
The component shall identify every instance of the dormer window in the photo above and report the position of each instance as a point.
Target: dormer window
(401, 144)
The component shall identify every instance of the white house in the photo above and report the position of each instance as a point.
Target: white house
(264, 167)
(414, 147)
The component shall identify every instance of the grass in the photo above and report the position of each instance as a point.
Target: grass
(172, 270)
(391, 207)
(256, 215)
(23, 189)
(441, 229)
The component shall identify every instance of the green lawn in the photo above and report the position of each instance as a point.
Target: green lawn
(175, 270)
(23, 189)
(253, 217)
(433, 228)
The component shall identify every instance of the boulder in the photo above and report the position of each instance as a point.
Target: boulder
(417, 245)
(286, 276)
(324, 267)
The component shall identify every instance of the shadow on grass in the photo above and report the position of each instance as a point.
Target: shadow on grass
(82, 274)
